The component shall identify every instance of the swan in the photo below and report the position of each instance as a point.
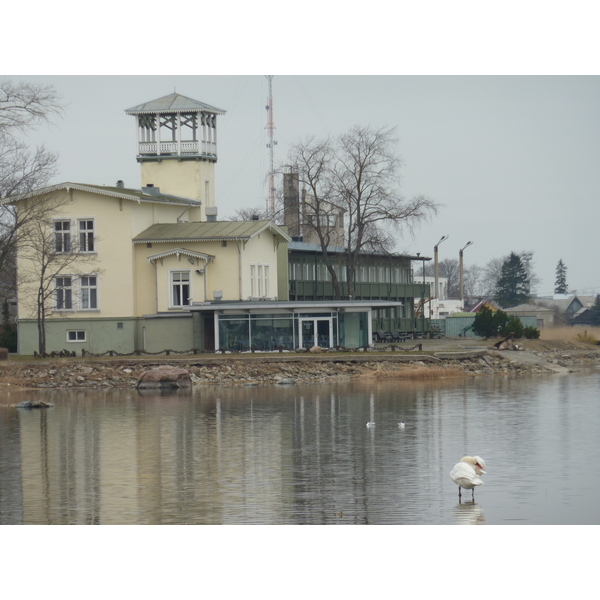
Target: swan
(402, 424)
(370, 424)
(465, 474)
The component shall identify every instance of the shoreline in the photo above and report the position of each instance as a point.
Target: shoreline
(437, 359)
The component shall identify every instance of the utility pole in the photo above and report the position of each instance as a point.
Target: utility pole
(462, 274)
(435, 256)
(271, 131)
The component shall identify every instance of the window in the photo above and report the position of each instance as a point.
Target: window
(63, 291)
(76, 336)
(89, 292)
(180, 285)
(259, 281)
(62, 236)
(308, 272)
(86, 235)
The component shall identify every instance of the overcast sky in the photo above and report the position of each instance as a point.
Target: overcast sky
(511, 157)
(512, 160)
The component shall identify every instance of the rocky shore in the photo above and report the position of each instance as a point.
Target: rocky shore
(438, 361)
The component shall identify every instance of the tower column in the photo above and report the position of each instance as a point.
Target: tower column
(158, 133)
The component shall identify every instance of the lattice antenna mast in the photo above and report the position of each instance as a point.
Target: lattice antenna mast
(271, 145)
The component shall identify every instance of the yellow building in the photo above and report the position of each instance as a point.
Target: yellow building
(152, 269)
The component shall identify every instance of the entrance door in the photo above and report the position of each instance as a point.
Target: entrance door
(316, 332)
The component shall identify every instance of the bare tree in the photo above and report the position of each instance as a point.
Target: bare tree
(262, 214)
(449, 269)
(491, 275)
(26, 105)
(23, 106)
(49, 266)
(472, 281)
(357, 175)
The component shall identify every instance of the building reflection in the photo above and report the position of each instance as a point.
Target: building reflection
(268, 455)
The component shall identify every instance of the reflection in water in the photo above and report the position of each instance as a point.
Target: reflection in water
(302, 454)
(469, 513)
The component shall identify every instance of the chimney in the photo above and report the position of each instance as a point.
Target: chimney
(151, 190)
(291, 203)
(254, 218)
(211, 213)
(120, 183)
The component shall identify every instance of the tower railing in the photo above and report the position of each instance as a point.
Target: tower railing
(172, 148)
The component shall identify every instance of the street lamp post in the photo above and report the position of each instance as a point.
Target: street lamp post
(435, 262)
(462, 274)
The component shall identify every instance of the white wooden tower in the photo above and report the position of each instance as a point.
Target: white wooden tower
(177, 147)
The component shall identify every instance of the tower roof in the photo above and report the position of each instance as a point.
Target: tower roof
(173, 103)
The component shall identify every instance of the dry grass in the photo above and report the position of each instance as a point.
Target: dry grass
(589, 335)
(386, 371)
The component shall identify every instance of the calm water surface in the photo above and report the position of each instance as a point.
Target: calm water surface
(303, 455)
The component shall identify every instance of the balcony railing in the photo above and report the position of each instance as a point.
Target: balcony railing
(177, 149)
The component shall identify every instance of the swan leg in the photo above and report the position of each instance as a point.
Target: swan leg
(473, 494)
(459, 494)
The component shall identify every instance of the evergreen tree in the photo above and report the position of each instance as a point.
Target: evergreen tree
(513, 287)
(595, 312)
(488, 323)
(560, 285)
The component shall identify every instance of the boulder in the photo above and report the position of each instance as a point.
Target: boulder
(164, 377)
(34, 404)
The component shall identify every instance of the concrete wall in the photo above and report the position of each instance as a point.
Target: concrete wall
(174, 332)
(100, 335)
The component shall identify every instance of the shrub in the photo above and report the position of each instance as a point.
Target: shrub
(586, 338)
(531, 333)
(485, 325)
(511, 325)
(8, 337)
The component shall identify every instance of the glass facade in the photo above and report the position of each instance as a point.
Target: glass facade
(285, 331)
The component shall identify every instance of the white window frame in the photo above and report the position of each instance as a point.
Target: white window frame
(259, 280)
(180, 284)
(84, 236)
(62, 234)
(89, 288)
(58, 288)
(80, 335)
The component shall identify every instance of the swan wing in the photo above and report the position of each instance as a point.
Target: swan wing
(465, 476)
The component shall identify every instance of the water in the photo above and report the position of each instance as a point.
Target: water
(303, 455)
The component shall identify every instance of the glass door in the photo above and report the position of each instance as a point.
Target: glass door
(316, 332)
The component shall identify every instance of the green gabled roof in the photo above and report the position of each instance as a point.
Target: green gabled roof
(173, 103)
(207, 231)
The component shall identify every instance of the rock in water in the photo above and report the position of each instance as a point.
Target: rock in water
(34, 404)
(164, 377)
